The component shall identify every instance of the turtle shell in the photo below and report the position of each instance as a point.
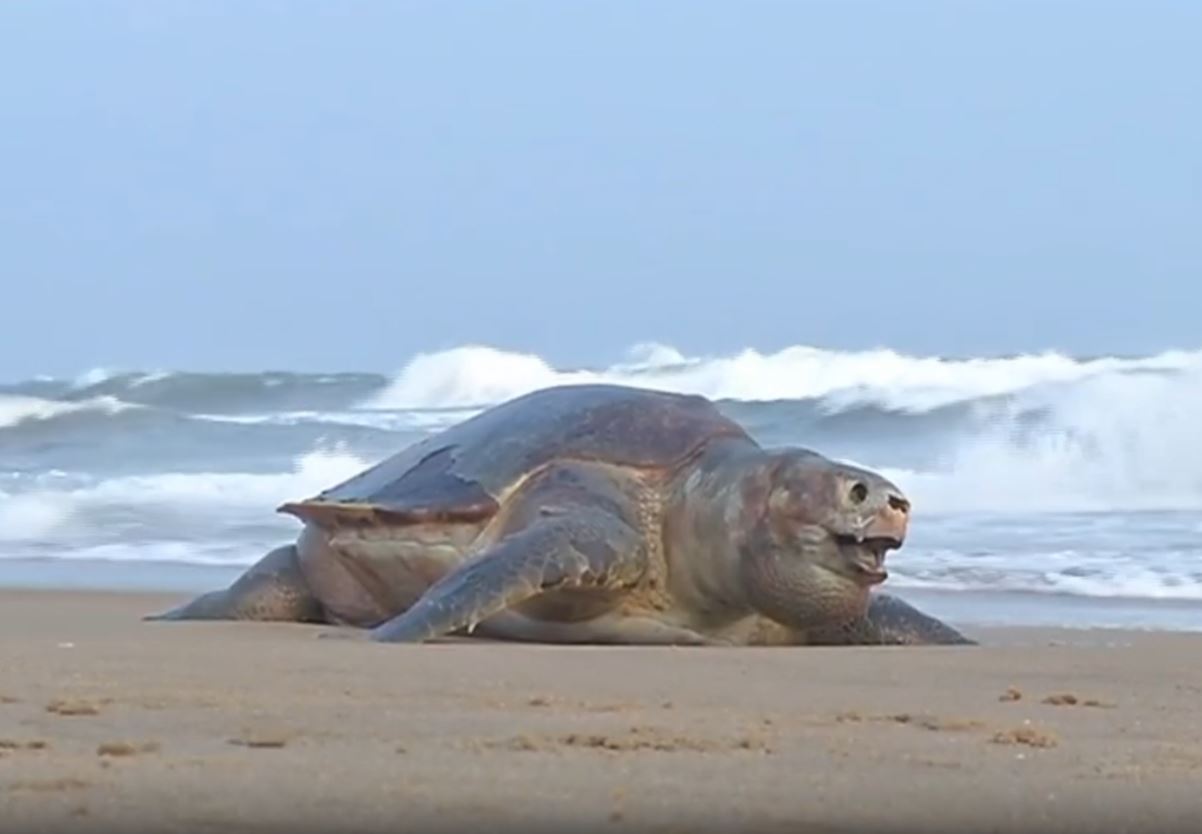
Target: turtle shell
(462, 473)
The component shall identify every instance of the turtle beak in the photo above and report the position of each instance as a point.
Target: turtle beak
(885, 531)
(888, 527)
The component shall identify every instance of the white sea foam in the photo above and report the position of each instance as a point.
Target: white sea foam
(1102, 572)
(66, 507)
(94, 376)
(16, 409)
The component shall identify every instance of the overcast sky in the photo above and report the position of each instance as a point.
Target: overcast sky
(336, 185)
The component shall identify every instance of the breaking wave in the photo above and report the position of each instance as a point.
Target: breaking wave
(1090, 468)
(476, 375)
(16, 409)
(227, 392)
(1034, 433)
(1031, 433)
(1111, 442)
(84, 516)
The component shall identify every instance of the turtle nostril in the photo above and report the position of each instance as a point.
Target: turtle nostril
(898, 503)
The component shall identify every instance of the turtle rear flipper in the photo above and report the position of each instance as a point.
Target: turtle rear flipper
(574, 529)
(271, 589)
(890, 621)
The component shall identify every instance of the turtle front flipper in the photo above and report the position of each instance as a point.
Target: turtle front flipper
(586, 549)
(890, 621)
(574, 528)
(271, 589)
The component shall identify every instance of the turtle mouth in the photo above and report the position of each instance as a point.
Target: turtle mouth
(865, 558)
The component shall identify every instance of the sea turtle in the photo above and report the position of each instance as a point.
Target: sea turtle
(593, 514)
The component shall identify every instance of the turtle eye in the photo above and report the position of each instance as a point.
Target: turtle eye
(858, 492)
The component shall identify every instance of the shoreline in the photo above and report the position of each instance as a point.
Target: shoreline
(116, 724)
(133, 603)
(962, 608)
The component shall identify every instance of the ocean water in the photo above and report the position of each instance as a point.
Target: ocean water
(1048, 489)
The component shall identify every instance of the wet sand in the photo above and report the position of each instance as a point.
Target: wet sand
(109, 723)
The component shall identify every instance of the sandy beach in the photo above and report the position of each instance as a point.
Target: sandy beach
(109, 723)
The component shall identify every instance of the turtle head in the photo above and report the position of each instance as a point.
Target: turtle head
(817, 537)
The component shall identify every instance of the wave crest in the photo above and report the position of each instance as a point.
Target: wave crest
(478, 375)
(17, 409)
(1119, 443)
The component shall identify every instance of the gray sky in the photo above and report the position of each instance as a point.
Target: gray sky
(336, 185)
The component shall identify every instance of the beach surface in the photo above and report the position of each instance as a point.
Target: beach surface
(110, 723)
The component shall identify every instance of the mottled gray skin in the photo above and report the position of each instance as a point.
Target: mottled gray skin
(593, 514)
